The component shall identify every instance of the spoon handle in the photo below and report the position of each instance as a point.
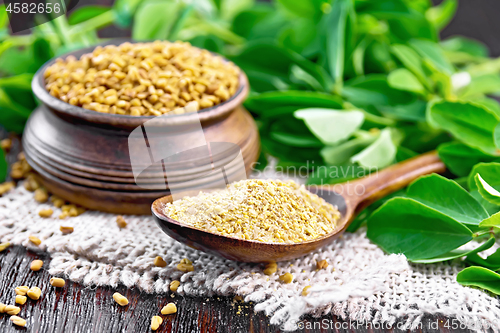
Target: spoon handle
(367, 190)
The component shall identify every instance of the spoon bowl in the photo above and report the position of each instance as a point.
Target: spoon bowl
(349, 198)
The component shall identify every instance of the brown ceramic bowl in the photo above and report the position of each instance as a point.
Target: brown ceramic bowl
(83, 155)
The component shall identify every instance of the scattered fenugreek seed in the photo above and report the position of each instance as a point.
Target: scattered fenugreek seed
(186, 261)
(6, 187)
(159, 262)
(12, 310)
(120, 221)
(305, 291)
(271, 268)
(45, 213)
(287, 278)
(66, 230)
(41, 195)
(18, 321)
(36, 265)
(174, 285)
(35, 240)
(322, 264)
(3, 246)
(185, 267)
(120, 299)
(57, 282)
(22, 290)
(6, 144)
(34, 293)
(20, 299)
(2, 308)
(156, 322)
(170, 308)
(270, 211)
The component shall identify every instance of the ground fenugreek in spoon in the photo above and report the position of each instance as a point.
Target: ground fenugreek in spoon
(270, 211)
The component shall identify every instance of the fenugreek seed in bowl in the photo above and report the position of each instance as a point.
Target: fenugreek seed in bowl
(269, 211)
(143, 79)
(83, 155)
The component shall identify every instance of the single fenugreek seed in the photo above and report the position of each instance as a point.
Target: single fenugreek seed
(6, 144)
(45, 213)
(322, 264)
(2, 308)
(41, 195)
(174, 285)
(36, 265)
(57, 282)
(34, 293)
(159, 262)
(120, 221)
(18, 321)
(12, 310)
(271, 268)
(21, 290)
(185, 268)
(120, 299)
(35, 240)
(3, 246)
(305, 291)
(170, 308)
(287, 278)
(20, 299)
(156, 322)
(186, 261)
(66, 230)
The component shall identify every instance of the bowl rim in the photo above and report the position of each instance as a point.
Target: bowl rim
(73, 111)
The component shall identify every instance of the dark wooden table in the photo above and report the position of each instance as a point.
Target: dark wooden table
(79, 309)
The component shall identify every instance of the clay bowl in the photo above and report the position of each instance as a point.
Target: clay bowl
(350, 198)
(83, 155)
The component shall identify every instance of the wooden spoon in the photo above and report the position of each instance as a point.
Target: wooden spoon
(350, 198)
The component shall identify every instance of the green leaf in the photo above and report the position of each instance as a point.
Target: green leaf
(492, 221)
(341, 154)
(489, 172)
(3, 166)
(488, 84)
(379, 154)
(331, 126)
(411, 60)
(374, 90)
(406, 226)
(491, 262)
(124, 11)
(453, 254)
(87, 12)
(447, 197)
(431, 51)
(305, 8)
(470, 123)
(153, 20)
(296, 140)
(486, 190)
(22, 81)
(336, 174)
(336, 25)
(480, 277)
(442, 14)
(490, 208)
(276, 61)
(231, 8)
(465, 45)
(460, 158)
(264, 103)
(403, 79)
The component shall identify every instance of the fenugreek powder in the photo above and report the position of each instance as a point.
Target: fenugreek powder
(143, 79)
(269, 211)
